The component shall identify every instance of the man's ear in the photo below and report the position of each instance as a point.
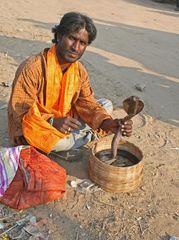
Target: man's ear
(59, 37)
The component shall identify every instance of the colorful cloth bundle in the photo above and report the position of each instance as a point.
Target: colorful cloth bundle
(9, 161)
(29, 178)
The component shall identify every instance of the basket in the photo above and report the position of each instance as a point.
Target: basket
(111, 178)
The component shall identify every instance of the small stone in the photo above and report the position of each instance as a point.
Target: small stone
(88, 207)
(140, 87)
(73, 184)
(6, 84)
(6, 54)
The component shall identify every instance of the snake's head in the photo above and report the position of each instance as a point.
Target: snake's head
(133, 105)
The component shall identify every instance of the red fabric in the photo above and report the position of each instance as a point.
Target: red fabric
(46, 181)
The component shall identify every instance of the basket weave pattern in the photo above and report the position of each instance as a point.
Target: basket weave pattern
(112, 178)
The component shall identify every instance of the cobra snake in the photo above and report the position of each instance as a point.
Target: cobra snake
(132, 106)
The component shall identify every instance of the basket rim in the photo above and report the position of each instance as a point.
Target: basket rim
(121, 142)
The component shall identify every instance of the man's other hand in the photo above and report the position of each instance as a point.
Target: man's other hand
(112, 125)
(66, 124)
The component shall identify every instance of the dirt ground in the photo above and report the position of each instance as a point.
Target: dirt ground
(137, 43)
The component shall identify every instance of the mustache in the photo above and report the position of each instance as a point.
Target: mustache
(73, 52)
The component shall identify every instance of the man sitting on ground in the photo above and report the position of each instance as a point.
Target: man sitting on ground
(52, 106)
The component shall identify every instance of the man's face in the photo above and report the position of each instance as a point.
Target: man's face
(72, 46)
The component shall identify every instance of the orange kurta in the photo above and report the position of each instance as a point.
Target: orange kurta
(61, 89)
(30, 86)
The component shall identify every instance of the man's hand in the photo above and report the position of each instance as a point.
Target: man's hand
(112, 125)
(66, 124)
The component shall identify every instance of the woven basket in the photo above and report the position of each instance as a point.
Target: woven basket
(112, 178)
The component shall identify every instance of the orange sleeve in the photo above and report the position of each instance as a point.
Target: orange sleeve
(23, 95)
(86, 106)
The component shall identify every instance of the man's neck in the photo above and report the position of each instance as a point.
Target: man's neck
(64, 66)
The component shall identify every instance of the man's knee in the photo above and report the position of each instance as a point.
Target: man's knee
(64, 144)
(106, 104)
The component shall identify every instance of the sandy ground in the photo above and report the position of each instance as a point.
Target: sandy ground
(137, 43)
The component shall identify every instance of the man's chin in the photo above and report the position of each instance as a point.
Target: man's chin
(71, 59)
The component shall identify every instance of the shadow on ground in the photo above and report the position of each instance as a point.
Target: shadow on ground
(77, 168)
(156, 4)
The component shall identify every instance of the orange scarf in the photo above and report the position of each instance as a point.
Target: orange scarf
(60, 90)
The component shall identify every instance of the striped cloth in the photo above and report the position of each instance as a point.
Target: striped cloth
(9, 161)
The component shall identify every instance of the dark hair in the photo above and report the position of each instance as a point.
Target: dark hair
(72, 22)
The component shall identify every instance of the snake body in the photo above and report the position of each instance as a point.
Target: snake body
(115, 142)
(132, 105)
